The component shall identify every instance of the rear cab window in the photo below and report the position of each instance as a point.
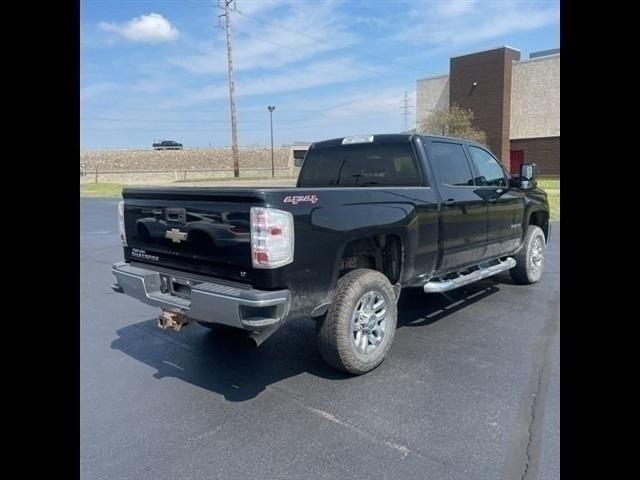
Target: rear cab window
(361, 165)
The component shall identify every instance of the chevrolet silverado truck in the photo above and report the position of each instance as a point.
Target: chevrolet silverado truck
(369, 216)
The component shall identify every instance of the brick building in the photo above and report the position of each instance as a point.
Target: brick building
(515, 102)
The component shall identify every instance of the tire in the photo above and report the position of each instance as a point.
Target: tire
(358, 296)
(530, 258)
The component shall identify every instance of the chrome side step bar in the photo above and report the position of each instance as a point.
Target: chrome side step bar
(436, 286)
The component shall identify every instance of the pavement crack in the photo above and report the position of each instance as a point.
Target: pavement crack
(532, 420)
(371, 436)
(523, 452)
(325, 415)
(404, 451)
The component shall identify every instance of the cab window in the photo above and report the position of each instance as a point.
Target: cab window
(451, 164)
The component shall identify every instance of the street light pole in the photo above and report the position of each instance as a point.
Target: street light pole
(271, 108)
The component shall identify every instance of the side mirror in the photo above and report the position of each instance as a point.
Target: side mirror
(528, 175)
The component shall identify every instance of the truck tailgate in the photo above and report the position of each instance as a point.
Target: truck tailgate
(201, 230)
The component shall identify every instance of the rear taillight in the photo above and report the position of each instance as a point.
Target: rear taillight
(271, 237)
(123, 234)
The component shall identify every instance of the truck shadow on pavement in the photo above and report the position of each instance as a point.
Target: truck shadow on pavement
(225, 363)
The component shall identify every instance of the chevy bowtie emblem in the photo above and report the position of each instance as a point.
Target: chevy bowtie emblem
(175, 235)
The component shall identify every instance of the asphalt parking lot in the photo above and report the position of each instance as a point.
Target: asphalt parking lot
(470, 389)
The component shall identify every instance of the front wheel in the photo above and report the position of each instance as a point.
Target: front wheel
(530, 258)
(357, 331)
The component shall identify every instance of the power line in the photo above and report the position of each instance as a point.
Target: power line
(244, 112)
(321, 40)
(293, 30)
(129, 129)
(145, 120)
(203, 110)
(309, 53)
(285, 120)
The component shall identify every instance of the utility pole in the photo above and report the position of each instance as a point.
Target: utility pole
(405, 108)
(232, 103)
(271, 108)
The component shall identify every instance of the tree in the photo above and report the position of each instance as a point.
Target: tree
(453, 122)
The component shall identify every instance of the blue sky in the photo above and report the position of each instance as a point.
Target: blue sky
(157, 69)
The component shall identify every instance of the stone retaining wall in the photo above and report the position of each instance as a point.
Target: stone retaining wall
(190, 159)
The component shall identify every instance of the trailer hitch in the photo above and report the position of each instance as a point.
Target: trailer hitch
(169, 320)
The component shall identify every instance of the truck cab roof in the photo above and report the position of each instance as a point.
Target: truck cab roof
(383, 138)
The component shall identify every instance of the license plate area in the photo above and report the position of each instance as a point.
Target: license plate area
(175, 215)
(176, 286)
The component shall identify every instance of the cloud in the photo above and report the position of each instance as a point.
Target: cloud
(465, 23)
(351, 103)
(152, 28)
(355, 110)
(292, 79)
(454, 9)
(372, 101)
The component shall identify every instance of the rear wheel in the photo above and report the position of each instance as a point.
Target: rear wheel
(357, 331)
(530, 258)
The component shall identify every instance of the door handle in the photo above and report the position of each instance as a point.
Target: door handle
(449, 202)
(495, 198)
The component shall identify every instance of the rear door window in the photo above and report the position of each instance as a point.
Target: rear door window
(366, 164)
(451, 164)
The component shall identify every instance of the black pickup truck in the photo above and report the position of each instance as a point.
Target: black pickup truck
(370, 215)
(167, 145)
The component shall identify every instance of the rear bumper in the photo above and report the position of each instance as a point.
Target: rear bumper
(209, 302)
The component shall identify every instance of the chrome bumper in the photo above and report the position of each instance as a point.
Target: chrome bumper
(209, 302)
